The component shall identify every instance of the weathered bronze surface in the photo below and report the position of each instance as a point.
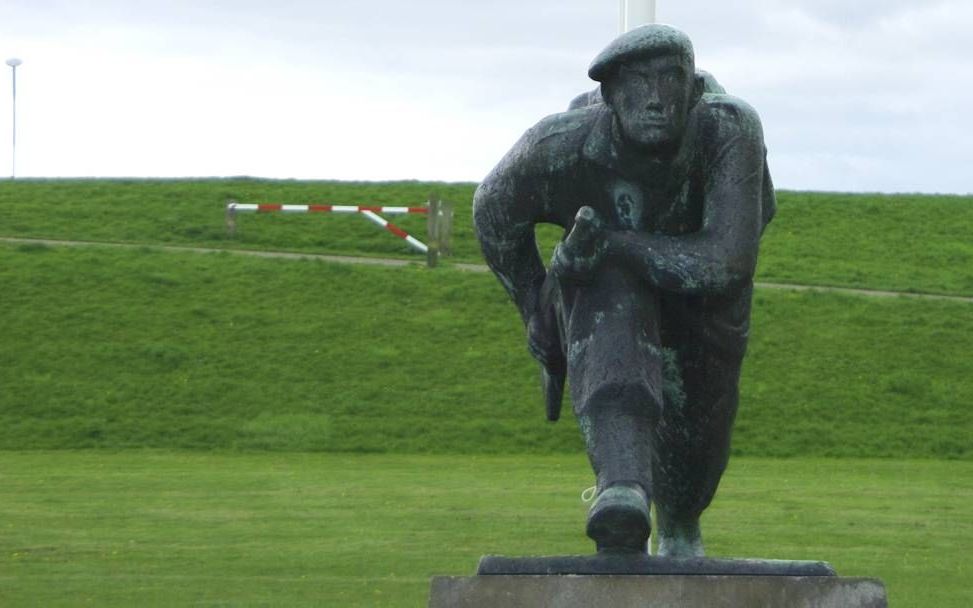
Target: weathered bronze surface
(663, 192)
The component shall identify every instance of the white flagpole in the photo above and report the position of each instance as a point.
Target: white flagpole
(633, 13)
(13, 62)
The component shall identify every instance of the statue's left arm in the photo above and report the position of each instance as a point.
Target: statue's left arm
(721, 257)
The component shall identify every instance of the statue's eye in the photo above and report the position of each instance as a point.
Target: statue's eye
(672, 76)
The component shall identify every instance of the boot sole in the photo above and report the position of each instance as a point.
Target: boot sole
(619, 527)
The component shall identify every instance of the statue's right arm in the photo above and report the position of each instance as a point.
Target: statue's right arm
(506, 207)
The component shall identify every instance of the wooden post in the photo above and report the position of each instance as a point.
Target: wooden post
(231, 217)
(432, 231)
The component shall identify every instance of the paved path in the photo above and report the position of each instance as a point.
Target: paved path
(343, 259)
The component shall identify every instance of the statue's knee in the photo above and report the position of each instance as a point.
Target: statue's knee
(635, 397)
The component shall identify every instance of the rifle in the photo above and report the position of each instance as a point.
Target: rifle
(553, 370)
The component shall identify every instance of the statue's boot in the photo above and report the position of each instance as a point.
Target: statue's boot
(619, 519)
(678, 538)
(617, 438)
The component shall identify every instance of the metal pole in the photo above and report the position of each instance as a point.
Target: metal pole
(634, 13)
(13, 62)
(13, 151)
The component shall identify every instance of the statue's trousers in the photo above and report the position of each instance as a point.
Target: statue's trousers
(654, 380)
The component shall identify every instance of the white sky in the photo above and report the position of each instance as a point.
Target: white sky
(863, 95)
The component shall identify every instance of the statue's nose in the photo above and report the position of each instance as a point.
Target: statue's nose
(650, 94)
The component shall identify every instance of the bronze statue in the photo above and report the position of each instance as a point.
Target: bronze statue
(663, 192)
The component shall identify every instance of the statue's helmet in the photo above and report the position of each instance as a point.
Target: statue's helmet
(645, 41)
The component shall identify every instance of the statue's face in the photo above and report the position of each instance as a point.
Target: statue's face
(651, 98)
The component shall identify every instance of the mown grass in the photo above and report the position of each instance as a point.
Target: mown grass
(898, 242)
(123, 350)
(142, 348)
(204, 529)
(192, 212)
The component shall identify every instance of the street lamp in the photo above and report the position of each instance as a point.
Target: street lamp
(13, 62)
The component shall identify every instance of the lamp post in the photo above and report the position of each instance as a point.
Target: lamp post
(13, 62)
(633, 13)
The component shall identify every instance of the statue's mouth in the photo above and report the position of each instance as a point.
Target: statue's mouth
(653, 124)
(653, 119)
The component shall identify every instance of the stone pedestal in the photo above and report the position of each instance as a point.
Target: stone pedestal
(655, 591)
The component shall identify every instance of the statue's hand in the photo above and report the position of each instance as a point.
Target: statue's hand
(577, 257)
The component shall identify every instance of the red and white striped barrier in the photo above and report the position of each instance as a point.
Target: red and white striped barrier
(275, 207)
(369, 211)
(402, 234)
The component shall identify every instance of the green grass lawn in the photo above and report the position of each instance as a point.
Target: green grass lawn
(191, 212)
(203, 529)
(899, 242)
(334, 435)
(140, 348)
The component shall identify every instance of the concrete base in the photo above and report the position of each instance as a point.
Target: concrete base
(640, 563)
(658, 591)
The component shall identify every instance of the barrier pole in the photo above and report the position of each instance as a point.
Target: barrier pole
(402, 234)
(231, 217)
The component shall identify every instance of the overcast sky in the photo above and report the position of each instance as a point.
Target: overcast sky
(863, 95)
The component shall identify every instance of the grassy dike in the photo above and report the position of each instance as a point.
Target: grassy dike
(215, 430)
(898, 242)
(145, 528)
(141, 348)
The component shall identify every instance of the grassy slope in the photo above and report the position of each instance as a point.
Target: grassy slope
(123, 349)
(161, 529)
(901, 242)
(114, 349)
(192, 212)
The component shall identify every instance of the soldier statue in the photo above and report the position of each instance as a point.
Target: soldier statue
(662, 189)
